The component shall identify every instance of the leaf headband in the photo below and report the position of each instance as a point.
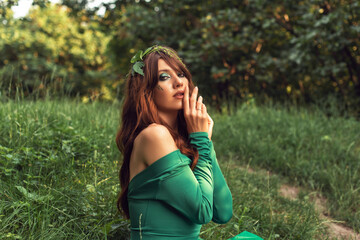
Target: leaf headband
(138, 58)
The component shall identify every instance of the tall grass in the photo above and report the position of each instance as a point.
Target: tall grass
(309, 148)
(14, 88)
(59, 166)
(58, 169)
(260, 209)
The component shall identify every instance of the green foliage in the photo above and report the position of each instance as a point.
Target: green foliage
(59, 171)
(310, 149)
(258, 208)
(137, 67)
(50, 50)
(5, 5)
(236, 50)
(240, 49)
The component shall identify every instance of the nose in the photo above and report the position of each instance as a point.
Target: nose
(179, 82)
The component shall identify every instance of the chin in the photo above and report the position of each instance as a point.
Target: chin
(178, 107)
(171, 108)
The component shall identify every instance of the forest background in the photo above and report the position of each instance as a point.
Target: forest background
(275, 51)
(281, 79)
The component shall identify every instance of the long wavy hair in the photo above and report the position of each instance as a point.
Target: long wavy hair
(139, 111)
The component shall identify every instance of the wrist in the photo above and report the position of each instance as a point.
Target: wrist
(198, 129)
(199, 134)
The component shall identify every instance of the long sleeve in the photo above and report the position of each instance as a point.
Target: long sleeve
(191, 192)
(222, 208)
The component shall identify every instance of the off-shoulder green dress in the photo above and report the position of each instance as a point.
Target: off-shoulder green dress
(168, 200)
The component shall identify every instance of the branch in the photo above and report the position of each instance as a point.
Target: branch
(286, 26)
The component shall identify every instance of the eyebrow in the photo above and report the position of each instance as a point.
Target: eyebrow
(170, 70)
(166, 70)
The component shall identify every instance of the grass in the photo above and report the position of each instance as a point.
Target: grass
(308, 148)
(59, 164)
(260, 209)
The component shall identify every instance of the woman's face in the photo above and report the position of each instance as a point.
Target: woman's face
(169, 92)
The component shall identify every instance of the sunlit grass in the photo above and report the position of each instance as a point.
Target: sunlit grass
(59, 166)
(260, 209)
(309, 148)
(58, 170)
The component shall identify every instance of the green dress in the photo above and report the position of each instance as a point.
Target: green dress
(168, 200)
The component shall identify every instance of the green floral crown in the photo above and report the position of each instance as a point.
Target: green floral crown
(138, 58)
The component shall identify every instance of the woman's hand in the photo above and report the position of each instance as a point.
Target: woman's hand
(196, 116)
(211, 125)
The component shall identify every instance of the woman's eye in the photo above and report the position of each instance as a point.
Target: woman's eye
(164, 77)
(181, 75)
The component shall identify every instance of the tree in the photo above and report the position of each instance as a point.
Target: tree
(236, 50)
(239, 49)
(49, 47)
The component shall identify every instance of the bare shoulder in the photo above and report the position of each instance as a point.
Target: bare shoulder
(155, 131)
(154, 142)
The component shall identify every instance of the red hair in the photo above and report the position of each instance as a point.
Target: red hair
(139, 111)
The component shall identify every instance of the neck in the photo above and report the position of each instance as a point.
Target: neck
(170, 118)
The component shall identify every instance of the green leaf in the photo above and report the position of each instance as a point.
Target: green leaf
(136, 57)
(33, 196)
(138, 68)
(146, 52)
(90, 188)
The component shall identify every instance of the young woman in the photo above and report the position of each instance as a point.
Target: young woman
(171, 181)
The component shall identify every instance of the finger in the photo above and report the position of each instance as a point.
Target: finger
(186, 100)
(203, 109)
(192, 104)
(199, 103)
(211, 121)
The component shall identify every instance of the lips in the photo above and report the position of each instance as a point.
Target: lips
(179, 94)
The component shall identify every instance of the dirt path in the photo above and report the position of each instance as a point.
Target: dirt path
(336, 230)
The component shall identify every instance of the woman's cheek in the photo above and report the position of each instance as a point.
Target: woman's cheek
(159, 87)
